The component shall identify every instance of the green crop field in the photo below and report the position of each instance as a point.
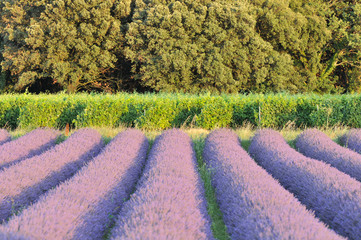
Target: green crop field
(163, 111)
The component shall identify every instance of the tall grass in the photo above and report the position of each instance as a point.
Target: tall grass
(162, 111)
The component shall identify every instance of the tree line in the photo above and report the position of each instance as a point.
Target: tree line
(218, 46)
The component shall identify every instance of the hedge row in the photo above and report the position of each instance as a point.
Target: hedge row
(162, 111)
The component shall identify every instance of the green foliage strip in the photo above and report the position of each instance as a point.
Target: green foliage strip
(162, 111)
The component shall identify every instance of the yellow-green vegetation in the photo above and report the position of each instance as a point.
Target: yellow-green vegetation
(161, 111)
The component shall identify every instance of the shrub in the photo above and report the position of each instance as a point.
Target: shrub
(157, 114)
(162, 111)
(328, 112)
(277, 110)
(41, 112)
(216, 113)
(352, 113)
(104, 111)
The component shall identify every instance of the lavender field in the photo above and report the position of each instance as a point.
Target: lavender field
(178, 187)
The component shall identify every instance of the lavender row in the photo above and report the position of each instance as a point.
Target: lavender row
(333, 195)
(255, 206)
(4, 136)
(11, 236)
(80, 208)
(169, 201)
(352, 140)
(31, 144)
(24, 182)
(315, 144)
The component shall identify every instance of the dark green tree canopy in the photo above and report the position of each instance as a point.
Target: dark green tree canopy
(204, 45)
(343, 50)
(73, 42)
(298, 28)
(2, 74)
(181, 45)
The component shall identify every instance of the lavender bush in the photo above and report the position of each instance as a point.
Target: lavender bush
(4, 136)
(80, 208)
(255, 206)
(352, 140)
(169, 201)
(31, 144)
(11, 236)
(315, 144)
(334, 196)
(24, 182)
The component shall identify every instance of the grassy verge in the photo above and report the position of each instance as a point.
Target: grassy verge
(219, 229)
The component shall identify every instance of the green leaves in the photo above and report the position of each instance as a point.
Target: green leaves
(75, 43)
(217, 113)
(194, 46)
(298, 30)
(187, 46)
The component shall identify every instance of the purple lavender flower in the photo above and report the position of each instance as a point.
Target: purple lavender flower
(31, 144)
(4, 136)
(255, 206)
(352, 140)
(333, 195)
(11, 236)
(169, 201)
(315, 144)
(81, 207)
(24, 182)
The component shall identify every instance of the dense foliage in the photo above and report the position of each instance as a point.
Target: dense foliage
(163, 111)
(181, 45)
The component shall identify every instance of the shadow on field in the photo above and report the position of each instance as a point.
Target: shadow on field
(70, 114)
(11, 118)
(245, 144)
